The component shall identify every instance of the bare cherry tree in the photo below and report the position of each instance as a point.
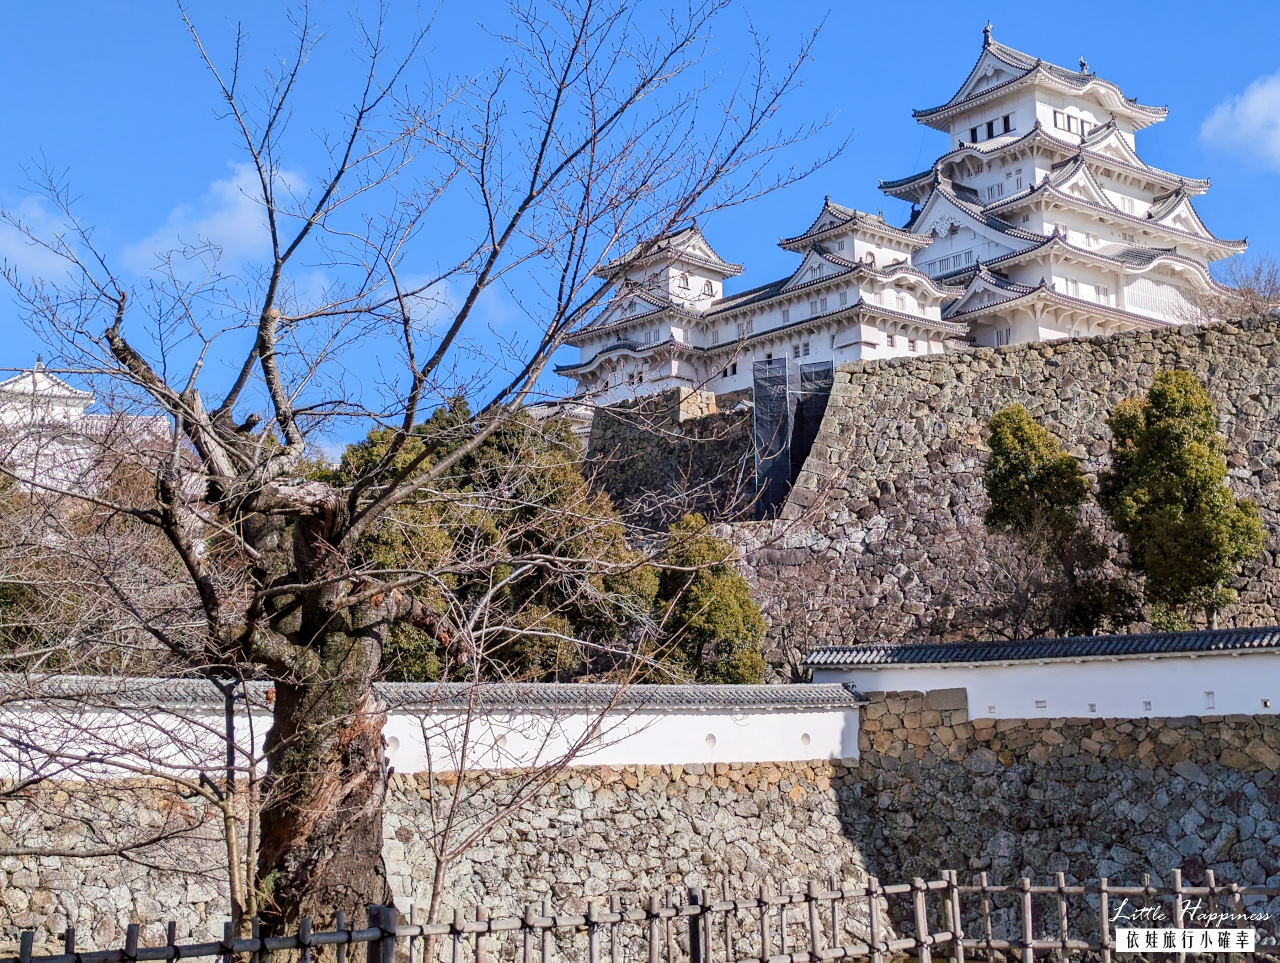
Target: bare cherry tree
(594, 136)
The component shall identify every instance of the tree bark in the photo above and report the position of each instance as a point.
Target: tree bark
(321, 848)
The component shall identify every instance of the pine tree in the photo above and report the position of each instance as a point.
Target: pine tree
(1037, 493)
(1167, 494)
(713, 627)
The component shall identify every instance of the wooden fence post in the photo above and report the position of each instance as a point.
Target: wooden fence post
(815, 923)
(695, 927)
(765, 950)
(1177, 912)
(593, 932)
(921, 908)
(655, 927)
(482, 917)
(873, 919)
(1028, 930)
(956, 921)
(1104, 920)
(547, 931)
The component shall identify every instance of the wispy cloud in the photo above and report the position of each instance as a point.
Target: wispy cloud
(231, 216)
(18, 250)
(1249, 122)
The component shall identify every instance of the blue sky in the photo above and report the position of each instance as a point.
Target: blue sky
(112, 92)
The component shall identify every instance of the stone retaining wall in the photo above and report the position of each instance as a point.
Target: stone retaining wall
(682, 451)
(933, 789)
(882, 537)
(1085, 797)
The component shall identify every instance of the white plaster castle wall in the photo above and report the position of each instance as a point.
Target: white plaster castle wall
(183, 742)
(503, 739)
(1128, 687)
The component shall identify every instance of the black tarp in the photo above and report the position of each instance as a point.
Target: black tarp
(790, 400)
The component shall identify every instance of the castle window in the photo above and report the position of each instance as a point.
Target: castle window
(822, 304)
(813, 306)
(733, 368)
(744, 328)
(844, 298)
(707, 289)
(1073, 288)
(795, 350)
(768, 356)
(1104, 294)
(1004, 337)
(786, 315)
(1059, 120)
(1007, 119)
(890, 340)
(911, 344)
(902, 302)
(715, 335)
(1085, 127)
(1017, 179)
(804, 350)
(973, 135)
(684, 281)
(833, 341)
(840, 245)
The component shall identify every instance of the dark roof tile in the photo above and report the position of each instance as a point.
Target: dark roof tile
(1074, 647)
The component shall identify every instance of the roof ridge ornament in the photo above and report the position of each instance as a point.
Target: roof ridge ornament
(986, 35)
(1084, 66)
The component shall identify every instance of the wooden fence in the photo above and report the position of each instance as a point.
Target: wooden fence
(920, 920)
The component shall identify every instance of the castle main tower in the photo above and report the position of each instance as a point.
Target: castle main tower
(1044, 212)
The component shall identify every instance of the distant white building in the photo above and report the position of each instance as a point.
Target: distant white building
(1040, 222)
(1046, 214)
(43, 430)
(854, 295)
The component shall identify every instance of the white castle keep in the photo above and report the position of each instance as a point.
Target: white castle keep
(1039, 222)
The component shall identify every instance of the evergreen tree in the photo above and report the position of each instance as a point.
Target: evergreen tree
(1037, 494)
(675, 612)
(713, 627)
(1167, 493)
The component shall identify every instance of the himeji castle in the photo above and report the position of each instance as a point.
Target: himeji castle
(1041, 221)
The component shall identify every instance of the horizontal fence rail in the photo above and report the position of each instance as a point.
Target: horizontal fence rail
(919, 920)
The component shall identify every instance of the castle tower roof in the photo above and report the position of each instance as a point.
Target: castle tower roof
(687, 246)
(1001, 69)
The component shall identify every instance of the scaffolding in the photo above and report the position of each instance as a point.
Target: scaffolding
(790, 400)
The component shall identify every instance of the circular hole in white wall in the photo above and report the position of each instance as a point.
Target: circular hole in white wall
(804, 739)
(392, 744)
(711, 740)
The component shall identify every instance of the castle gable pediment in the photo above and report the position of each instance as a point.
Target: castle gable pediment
(815, 265)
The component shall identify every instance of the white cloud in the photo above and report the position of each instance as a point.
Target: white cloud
(1250, 122)
(231, 215)
(18, 250)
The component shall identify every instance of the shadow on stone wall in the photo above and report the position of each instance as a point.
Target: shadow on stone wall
(678, 452)
(1085, 797)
